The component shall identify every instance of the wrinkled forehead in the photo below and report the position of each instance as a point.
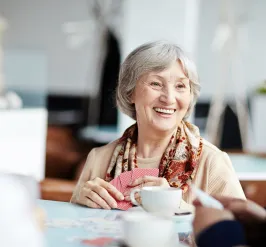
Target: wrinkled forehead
(172, 71)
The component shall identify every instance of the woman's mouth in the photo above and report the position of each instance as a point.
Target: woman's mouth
(164, 111)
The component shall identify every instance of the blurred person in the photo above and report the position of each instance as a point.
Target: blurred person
(158, 87)
(19, 219)
(241, 223)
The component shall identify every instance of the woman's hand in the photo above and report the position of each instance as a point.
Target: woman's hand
(98, 193)
(144, 182)
(206, 217)
(244, 210)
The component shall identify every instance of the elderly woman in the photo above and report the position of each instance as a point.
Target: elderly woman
(158, 87)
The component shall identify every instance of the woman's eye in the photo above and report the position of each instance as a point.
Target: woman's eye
(180, 85)
(155, 84)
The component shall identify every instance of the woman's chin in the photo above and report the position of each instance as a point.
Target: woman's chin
(163, 127)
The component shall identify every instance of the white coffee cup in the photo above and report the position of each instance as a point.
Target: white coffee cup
(141, 229)
(159, 200)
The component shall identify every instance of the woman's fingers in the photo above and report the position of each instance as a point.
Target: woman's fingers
(144, 180)
(127, 196)
(86, 201)
(114, 191)
(127, 193)
(89, 203)
(149, 184)
(110, 188)
(101, 192)
(105, 196)
(137, 197)
(98, 199)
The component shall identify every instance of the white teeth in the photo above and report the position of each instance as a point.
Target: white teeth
(167, 111)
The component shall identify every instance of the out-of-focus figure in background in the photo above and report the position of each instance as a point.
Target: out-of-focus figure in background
(241, 223)
(8, 99)
(21, 220)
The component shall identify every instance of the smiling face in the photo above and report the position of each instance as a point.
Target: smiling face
(162, 98)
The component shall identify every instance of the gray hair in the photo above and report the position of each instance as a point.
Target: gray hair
(153, 56)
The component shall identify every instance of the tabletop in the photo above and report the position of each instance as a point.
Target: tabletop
(249, 167)
(69, 225)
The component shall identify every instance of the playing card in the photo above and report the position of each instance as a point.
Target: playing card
(101, 241)
(127, 189)
(141, 172)
(125, 179)
(124, 205)
(117, 184)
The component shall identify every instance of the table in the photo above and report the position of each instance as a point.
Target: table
(249, 167)
(68, 224)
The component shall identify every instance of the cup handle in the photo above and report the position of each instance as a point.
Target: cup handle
(132, 196)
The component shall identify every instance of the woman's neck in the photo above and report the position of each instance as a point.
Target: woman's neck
(151, 144)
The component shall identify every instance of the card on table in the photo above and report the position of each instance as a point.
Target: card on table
(101, 241)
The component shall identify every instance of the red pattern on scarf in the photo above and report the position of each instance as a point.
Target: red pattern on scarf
(178, 164)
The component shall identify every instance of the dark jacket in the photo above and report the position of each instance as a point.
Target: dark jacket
(232, 233)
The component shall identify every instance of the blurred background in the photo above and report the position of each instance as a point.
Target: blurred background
(62, 59)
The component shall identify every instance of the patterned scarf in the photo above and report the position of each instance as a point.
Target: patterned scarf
(178, 164)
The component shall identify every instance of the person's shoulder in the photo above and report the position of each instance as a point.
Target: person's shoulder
(99, 158)
(105, 150)
(209, 149)
(210, 152)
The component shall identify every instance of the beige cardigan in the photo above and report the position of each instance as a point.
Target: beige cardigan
(215, 173)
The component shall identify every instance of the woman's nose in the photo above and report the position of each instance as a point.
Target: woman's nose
(168, 96)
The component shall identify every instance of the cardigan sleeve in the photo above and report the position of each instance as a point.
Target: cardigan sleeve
(222, 177)
(86, 175)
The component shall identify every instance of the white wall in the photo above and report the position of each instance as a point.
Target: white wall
(151, 20)
(30, 67)
(23, 141)
(255, 58)
(37, 25)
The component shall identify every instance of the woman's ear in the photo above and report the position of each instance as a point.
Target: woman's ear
(133, 98)
(190, 106)
(191, 99)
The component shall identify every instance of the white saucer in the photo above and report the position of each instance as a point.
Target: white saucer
(183, 215)
(183, 218)
(177, 218)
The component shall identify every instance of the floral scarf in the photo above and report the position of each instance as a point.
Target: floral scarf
(178, 164)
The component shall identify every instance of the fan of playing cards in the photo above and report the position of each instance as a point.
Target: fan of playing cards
(123, 181)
